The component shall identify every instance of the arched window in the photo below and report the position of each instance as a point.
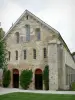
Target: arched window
(27, 33)
(9, 54)
(45, 52)
(34, 53)
(16, 54)
(25, 54)
(17, 37)
(37, 32)
(27, 17)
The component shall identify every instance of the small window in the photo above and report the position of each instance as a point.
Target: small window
(27, 17)
(37, 32)
(27, 33)
(45, 52)
(16, 55)
(24, 54)
(34, 53)
(9, 54)
(17, 37)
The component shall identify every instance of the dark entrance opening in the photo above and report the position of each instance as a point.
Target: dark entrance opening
(15, 78)
(38, 79)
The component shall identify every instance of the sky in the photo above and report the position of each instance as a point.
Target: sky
(59, 14)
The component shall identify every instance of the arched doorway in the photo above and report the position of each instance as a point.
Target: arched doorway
(38, 79)
(15, 78)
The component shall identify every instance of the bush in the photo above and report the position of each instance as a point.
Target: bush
(25, 78)
(46, 77)
(73, 86)
(6, 78)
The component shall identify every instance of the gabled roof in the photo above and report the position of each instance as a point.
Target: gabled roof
(42, 22)
(38, 19)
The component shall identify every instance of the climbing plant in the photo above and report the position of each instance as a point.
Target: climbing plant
(46, 77)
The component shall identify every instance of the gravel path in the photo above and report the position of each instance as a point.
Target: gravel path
(10, 90)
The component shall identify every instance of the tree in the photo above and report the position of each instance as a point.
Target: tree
(3, 51)
(6, 78)
(46, 77)
(2, 33)
(25, 78)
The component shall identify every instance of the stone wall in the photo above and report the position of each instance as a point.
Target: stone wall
(12, 46)
(53, 66)
(69, 62)
(57, 55)
(60, 66)
(29, 62)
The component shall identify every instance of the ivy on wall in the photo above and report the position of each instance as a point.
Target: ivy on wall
(46, 77)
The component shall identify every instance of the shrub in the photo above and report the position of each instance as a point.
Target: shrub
(25, 78)
(6, 78)
(73, 86)
(46, 77)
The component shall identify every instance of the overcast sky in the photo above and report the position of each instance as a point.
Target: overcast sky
(59, 14)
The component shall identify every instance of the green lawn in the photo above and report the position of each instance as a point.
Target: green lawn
(31, 96)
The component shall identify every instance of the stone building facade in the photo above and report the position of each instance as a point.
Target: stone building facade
(33, 44)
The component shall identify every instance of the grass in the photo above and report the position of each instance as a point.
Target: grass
(33, 96)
